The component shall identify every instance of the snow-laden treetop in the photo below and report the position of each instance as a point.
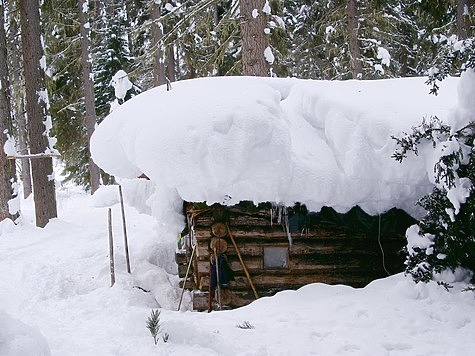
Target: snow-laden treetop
(322, 143)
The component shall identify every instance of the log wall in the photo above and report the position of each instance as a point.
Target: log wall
(328, 249)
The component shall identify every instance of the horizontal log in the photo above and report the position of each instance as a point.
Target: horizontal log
(264, 282)
(277, 232)
(314, 251)
(296, 267)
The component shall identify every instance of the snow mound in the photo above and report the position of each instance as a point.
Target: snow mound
(322, 143)
(18, 339)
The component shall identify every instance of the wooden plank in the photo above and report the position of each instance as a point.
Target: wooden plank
(35, 156)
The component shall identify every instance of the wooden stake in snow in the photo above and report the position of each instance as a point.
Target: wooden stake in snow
(124, 227)
(186, 276)
(111, 248)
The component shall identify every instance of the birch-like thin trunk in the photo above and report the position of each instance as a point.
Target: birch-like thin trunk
(88, 89)
(36, 108)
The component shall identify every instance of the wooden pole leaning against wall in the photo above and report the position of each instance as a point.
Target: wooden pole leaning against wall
(186, 276)
(246, 272)
(124, 227)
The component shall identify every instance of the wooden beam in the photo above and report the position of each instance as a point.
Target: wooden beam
(34, 156)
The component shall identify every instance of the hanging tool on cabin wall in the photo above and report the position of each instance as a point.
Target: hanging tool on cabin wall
(220, 273)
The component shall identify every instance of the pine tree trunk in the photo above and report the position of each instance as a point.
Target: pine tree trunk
(254, 40)
(88, 88)
(7, 167)
(157, 35)
(36, 108)
(464, 12)
(353, 45)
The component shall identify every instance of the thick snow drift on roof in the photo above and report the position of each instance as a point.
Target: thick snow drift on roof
(281, 140)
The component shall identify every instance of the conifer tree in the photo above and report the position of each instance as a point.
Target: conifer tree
(444, 238)
(111, 54)
(36, 107)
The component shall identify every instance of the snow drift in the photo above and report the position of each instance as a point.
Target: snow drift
(322, 143)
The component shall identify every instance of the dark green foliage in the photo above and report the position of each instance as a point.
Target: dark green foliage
(450, 233)
(63, 51)
(111, 54)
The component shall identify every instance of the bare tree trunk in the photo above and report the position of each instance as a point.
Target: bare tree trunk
(36, 108)
(354, 48)
(157, 35)
(7, 167)
(464, 8)
(88, 88)
(19, 104)
(171, 63)
(254, 40)
(23, 142)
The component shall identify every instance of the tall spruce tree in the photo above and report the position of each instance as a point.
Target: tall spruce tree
(111, 53)
(63, 51)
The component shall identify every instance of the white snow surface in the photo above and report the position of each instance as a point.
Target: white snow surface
(121, 83)
(55, 298)
(322, 143)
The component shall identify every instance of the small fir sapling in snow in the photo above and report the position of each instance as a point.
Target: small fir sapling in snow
(153, 325)
(443, 239)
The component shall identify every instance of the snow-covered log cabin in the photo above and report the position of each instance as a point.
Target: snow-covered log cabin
(287, 248)
(296, 174)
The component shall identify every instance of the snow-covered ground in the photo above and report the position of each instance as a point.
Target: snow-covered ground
(55, 297)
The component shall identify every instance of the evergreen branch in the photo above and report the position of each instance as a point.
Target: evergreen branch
(153, 324)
